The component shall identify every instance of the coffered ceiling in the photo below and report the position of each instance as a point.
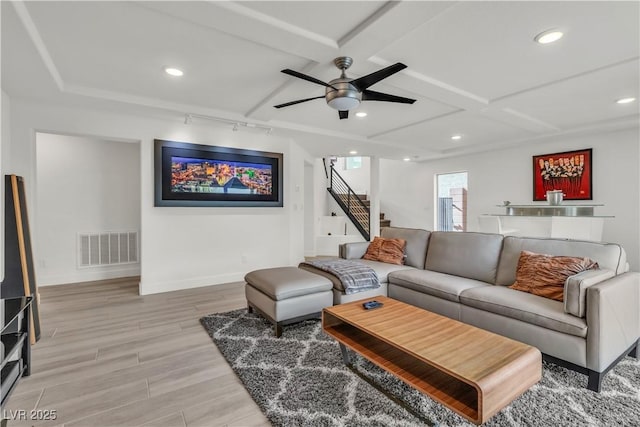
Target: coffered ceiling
(473, 67)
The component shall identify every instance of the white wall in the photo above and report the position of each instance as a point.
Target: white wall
(182, 247)
(358, 179)
(309, 210)
(506, 175)
(83, 185)
(404, 198)
(5, 138)
(321, 196)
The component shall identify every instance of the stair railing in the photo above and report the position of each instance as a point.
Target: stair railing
(352, 205)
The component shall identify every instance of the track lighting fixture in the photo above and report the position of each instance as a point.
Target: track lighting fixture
(188, 119)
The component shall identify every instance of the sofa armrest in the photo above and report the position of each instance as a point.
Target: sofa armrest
(575, 289)
(355, 250)
(613, 319)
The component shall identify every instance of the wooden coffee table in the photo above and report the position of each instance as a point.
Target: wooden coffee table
(474, 372)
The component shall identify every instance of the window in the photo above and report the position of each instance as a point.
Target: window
(353, 163)
(451, 201)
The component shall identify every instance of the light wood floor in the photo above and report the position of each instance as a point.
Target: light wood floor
(108, 357)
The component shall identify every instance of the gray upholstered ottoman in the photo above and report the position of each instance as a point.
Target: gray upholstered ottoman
(287, 294)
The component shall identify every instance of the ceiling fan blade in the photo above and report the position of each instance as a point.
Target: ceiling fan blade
(286, 104)
(370, 79)
(343, 114)
(307, 78)
(370, 95)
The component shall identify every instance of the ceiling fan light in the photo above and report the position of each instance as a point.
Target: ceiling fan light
(344, 103)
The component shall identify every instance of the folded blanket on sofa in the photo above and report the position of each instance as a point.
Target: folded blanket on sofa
(355, 276)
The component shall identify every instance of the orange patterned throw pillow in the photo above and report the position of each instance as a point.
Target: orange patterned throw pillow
(390, 251)
(544, 275)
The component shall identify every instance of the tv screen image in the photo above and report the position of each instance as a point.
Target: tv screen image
(191, 175)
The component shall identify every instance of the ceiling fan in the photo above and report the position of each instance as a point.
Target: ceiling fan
(345, 94)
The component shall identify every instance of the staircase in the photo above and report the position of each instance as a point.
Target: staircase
(367, 202)
(356, 207)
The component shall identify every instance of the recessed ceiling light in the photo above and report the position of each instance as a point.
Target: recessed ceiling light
(407, 159)
(625, 100)
(173, 72)
(361, 114)
(353, 152)
(456, 137)
(548, 36)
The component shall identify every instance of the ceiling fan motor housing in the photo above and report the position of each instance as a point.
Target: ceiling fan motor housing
(345, 98)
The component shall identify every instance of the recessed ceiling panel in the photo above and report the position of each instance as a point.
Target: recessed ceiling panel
(23, 72)
(122, 47)
(487, 48)
(331, 19)
(436, 134)
(584, 100)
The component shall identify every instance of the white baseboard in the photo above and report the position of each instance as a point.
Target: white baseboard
(87, 275)
(148, 287)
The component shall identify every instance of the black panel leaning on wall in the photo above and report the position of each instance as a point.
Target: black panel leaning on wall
(19, 272)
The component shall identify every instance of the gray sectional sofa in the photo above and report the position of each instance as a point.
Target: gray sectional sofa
(465, 276)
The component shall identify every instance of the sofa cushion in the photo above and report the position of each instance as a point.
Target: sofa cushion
(286, 282)
(417, 241)
(433, 283)
(529, 308)
(382, 269)
(608, 255)
(470, 255)
(545, 275)
(386, 250)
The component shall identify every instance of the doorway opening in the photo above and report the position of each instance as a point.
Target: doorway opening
(87, 208)
(451, 201)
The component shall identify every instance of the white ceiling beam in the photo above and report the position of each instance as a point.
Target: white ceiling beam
(34, 34)
(388, 24)
(232, 18)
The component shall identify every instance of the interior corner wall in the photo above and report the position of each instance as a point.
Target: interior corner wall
(5, 139)
(309, 209)
(84, 185)
(407, 190)
(321, 195)
(180, 247)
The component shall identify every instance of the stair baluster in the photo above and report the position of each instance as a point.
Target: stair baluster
(350, 203)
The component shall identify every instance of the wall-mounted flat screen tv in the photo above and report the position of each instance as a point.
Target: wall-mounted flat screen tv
(204, 175)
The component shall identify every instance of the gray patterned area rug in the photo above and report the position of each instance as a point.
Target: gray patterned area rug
(299, 379)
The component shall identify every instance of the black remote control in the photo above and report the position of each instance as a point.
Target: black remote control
(371, 304)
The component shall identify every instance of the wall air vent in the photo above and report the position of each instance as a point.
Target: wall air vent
(107, 248)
